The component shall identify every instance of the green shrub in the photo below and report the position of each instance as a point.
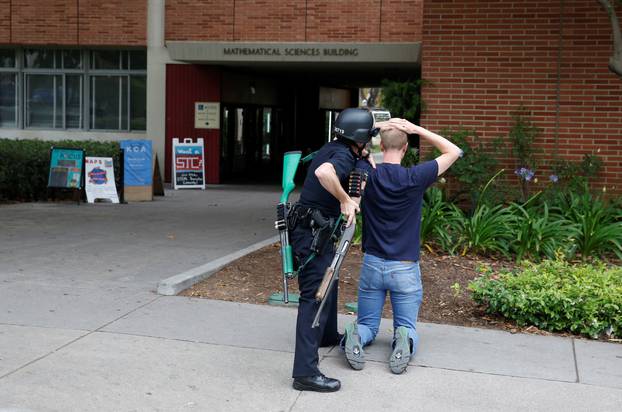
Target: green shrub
(403, 99)
(475, 168)
(599, 223)
(487, 231)
(440, 220)
(576, 176)
(556, 296)
(25, 165)
(538, 232)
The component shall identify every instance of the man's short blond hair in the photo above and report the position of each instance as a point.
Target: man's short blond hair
(393, 139)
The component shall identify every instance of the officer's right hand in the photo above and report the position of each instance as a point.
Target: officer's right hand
(349, 208)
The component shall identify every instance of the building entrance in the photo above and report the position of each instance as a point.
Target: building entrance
(250, 141)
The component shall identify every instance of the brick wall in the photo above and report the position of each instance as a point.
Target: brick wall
(199, 20)
(44, 22)
(74, 22)
(5, 21)
(294, 20)
(113, 22)
(486, 58)
(269, 20)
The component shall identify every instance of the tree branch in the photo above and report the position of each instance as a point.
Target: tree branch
(615, 61)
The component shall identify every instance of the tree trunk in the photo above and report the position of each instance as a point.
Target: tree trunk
(615, 61)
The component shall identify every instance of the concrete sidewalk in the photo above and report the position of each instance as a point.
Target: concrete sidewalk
(177, 353)
(81, 328)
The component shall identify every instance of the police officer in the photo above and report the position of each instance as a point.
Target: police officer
(322, 199)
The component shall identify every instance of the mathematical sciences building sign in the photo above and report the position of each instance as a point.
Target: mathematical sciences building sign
(215, 52)
(290, 51)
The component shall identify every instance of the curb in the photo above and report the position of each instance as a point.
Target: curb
(175, 284)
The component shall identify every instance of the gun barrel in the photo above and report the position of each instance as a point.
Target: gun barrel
(331, 277)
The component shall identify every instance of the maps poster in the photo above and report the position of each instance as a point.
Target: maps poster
(188, 164)
(99, 176)
(66, 168)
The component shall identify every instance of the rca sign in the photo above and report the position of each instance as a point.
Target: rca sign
(188, 165)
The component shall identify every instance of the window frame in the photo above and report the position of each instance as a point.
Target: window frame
(118, 73)
(16, 72)
(86, 74)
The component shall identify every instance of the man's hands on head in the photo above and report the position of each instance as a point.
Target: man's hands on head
(449, 151)
(399, 124)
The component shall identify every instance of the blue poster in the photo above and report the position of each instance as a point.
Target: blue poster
(138, 162)
(66, 168)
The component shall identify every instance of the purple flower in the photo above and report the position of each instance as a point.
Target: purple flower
(525, 174)
(554, 178)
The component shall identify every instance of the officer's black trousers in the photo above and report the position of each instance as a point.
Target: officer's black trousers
(308, 340)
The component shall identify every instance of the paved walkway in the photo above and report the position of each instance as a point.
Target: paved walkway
(82, 330)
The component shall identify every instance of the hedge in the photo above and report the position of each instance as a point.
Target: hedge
(25, 165)
(556, 296)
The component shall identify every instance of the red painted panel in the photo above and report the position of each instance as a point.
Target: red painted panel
(185, 85)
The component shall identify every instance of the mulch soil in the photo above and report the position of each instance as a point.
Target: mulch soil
(446, 298)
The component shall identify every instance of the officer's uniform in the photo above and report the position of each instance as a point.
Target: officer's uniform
(314, 196)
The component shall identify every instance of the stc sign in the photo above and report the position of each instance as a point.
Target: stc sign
(188, 164)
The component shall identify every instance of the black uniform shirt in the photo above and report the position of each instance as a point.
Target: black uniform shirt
(313, 195)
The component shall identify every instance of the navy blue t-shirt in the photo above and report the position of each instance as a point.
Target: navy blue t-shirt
(392, 208)
(313, 195)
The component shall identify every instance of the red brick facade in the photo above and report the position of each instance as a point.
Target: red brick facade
(5, 21)
(113, 22)
(74, 22)
(484, 59)
(294, 20)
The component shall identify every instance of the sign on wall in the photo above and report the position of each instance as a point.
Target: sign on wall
(66, 168)
(138, 161)
(188, 164)
(207, 115)
(99, 177)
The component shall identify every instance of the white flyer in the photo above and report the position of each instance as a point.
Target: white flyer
(99, 177)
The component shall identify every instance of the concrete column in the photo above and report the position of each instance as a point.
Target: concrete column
(157, 58)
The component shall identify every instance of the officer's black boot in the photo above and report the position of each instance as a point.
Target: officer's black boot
(318, 383)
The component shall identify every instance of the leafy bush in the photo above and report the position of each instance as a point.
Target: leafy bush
(25, 165)
(576, 176)
(539, 232)
(556, 296)
(599, 223)
(487, 230)
(403, 99)
(475, 168)
(440, 220)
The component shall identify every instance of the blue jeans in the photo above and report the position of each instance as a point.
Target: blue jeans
(403, 281)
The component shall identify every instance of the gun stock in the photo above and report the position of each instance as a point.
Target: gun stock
(290, 165)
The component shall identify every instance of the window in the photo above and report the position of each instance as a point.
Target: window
(8, 88)
(73, 89)
(118, 90)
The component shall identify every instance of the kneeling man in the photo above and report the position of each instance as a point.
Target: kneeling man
(391, 220)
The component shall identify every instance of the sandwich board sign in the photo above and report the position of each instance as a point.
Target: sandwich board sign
(137, 159)
(188, 164)
(100, 183)
(66, 167)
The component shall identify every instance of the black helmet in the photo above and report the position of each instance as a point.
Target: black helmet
(356, 125)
